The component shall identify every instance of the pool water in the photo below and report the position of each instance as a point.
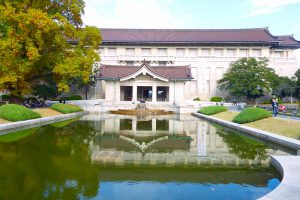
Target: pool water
(108, 156)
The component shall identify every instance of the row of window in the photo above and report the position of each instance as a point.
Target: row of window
(219, 52)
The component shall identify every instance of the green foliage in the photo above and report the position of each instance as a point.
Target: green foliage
(297, 79)
(5, 97)
(13, 113)
(216, 99)
(284, 86)
(197, 99)
(45, 91)
(242, 146)
(18, 135)
(74, 97)
(210, 110)
(64, 123)
(251, 115)
(35, 44)
(248, 77)
(66, 108)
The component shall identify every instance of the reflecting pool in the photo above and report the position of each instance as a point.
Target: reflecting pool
(107, 156)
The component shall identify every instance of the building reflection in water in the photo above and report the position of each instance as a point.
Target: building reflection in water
(172, 140)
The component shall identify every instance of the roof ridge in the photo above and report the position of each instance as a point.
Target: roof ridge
(183, 29)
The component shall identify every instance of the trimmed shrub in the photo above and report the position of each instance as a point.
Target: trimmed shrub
(216, 99)
(251, 115)
(197, 99)
(74, 97)
(14, 113)
(66, 108)
(210, 110)
(5, 97)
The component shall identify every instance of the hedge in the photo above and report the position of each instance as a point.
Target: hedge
(197, 99)
(74, 97)
(66, 108)
(251, 115)
(14, 113)
(210, 110)
(216, 99)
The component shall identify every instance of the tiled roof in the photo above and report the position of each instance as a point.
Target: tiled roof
(256, 35)
(288, 41)
(169, 72)
(251, 36)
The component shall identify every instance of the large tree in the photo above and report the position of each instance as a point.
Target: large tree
(35, 43)
(248, 77)
(284, 87)
(297, 79)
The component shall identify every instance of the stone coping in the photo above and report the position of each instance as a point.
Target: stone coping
(14, 126)
(288, 166)
(276, 138)
(289, 188)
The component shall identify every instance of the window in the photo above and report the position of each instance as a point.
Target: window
(231, 52)
(256, 52)
(129, 63)
(112, 51)
(205, 52)
(162, 63)
(180, 51)
(130, 51)
(162, 51)
(244, 52)
(193, 52)
(278, 54)
(218, 52)
(146, 51)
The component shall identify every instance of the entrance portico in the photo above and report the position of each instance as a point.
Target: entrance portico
(144, 83)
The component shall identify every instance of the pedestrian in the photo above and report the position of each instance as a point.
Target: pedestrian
(275, 106)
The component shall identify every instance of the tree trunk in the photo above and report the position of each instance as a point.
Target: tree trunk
(86, 88)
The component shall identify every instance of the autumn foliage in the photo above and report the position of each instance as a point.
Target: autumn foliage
(45, 38)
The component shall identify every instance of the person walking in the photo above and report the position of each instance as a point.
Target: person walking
(275, 106)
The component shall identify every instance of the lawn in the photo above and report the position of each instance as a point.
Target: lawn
(3, 121)
(286, 127)
(47, 112)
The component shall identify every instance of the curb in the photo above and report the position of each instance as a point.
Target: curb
(14, 126)
(289, 187)
(278, 139)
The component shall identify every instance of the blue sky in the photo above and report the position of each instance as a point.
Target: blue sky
(281, 16)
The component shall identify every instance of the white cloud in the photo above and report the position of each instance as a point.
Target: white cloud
(260, 7)
(133, 14)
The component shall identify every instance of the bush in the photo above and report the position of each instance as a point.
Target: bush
(66, 108)
(14, 113)
(210, 110)
(197, 99)
(5, 97)
(216, 99)
(251, 115)
(74, 97)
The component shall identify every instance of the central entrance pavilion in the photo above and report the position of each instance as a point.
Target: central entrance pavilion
(144, 83)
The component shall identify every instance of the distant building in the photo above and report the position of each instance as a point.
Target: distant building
(181, 64)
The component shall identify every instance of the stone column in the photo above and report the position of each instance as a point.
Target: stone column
(134, 92)
(154, 92)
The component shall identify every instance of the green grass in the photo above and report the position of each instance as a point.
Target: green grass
(14, 113)
(251, 115)
(210, 110)
(66, 108)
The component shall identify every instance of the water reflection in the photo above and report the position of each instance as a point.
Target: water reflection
(176, 140)
(117, 157)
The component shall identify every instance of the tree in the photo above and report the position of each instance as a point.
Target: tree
(297, 79)
(248, 77)
(42, 38)
(284, 87)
